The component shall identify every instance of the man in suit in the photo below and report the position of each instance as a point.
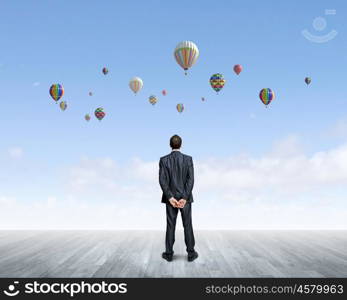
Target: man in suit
(176, 178)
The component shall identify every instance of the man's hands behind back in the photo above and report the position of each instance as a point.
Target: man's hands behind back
(173, 202)
(179, 204)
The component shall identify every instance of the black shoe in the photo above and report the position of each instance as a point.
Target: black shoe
(166, 256)
(193, 256)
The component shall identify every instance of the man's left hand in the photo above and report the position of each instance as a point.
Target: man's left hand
(182, 203)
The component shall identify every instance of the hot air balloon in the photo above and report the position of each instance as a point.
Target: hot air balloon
(202, 99)
(56, 91)
(153, 100)
(237, 69)
(308, 80)
(180, 107)
(266, 96)
(87, 117)
(163, 92)
(99, 113)
(90, 94)
(217, 82)
(105, 70)
(186, 54)
(136, 84)
(63, 105)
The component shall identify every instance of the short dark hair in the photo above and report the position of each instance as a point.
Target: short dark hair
(175, 142)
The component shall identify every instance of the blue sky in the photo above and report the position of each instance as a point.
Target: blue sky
(69, 42)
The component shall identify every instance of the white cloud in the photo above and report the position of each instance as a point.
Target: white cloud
(68, 213)
(287, 147)
(15, 152)
(339, 129)
(283, 168)
(283, 189)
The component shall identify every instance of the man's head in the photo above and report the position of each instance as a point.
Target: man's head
(175, 142)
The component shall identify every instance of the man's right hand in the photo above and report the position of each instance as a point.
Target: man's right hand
(181, 203)
(173, 202)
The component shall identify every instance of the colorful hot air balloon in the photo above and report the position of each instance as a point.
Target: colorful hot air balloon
(90, 94)
(63, 105)
(237, 69)
(308, 80)
(87, 117)
(180, 107)
(186, 54)
(56, 91)
(266, 96)
(153, 100)
(217, 82)
(104, 70)
(163, 92)
(99, 113)
(136, 84)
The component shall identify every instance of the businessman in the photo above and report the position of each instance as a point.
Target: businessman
(176, 178)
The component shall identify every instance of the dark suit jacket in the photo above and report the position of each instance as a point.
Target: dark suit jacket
(176, 176)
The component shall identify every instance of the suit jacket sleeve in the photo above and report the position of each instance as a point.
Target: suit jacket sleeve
(164, 180)
(190, 180)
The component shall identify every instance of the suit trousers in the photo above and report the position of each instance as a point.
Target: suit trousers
(171, 217)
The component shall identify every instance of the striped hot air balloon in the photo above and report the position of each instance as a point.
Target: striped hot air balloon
(308, 80)
(104, 70)
(180, 107)
(152, 99)
(136, 84)
(99, 113)
(56, 91)
(63, 105)
(87, 117)
(186, 54)
(266, 96)
(217, 82)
